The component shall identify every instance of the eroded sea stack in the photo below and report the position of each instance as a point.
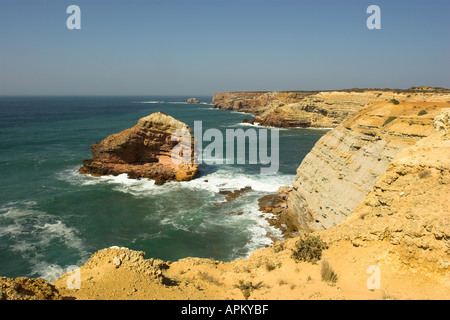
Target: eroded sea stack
(143, 151)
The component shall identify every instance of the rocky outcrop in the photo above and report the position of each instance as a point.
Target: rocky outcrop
(325, 109)
(143, 151)
(23, 288)
(192, 100)
(342, 168)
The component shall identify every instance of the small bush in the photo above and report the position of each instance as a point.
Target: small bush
(309, 249)
(389, 120)
(394, 101)
(282, 282)
(328, 274)
(424, 174)
(209, 278)
(270, 265)
(247, 288)
(422, 112)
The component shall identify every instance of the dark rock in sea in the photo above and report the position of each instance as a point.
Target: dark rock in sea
(193, 100)
(231, 195)
(248, 121)
(281, 218)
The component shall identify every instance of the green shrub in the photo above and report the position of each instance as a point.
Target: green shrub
(422, 112)
(328, 274)
(247, 287)
(389, 120)
(394, 101)
(424, 174)
(309, 249)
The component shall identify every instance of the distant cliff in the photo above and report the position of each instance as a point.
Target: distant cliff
(326, 109)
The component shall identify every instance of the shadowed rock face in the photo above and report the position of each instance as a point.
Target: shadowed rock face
(143, 151)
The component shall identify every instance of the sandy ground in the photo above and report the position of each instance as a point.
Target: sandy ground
(268, 274)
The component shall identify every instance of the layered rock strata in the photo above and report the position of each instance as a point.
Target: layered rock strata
(143, 151)
(342, 168)
(325, 109)
(408, 206)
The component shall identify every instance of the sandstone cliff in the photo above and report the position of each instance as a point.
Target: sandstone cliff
(325, 109)
(343, 166)
(408, 206)
(143, 151)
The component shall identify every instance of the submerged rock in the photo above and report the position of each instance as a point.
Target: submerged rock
(231, 195)
(143, 151)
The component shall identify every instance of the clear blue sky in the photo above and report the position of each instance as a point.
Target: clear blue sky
(196, 47)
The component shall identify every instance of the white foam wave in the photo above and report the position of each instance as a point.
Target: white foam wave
(233, 179)
(149, 102)
(227, 177)
(30, 232)
(221, 178)
(259, 230)
(312, 128)
(47, 271)
(256, 124)
(243, 112)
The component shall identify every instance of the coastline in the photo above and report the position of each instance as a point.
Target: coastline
(273, 267)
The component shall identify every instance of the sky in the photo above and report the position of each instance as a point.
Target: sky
(197, 48)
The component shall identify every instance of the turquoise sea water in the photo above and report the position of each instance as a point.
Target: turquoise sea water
(51, 217)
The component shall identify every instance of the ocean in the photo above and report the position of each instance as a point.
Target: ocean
(52, 217)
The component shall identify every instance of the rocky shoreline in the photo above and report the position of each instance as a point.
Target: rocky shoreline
(374, 189)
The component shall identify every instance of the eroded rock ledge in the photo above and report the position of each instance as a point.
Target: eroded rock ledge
(143, 151)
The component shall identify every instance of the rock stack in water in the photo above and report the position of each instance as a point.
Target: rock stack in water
(193, 100)
(143, 151)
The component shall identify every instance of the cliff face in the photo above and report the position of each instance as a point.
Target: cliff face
(343, 166)
(143, 151)
(408, 206)
(326, 109)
